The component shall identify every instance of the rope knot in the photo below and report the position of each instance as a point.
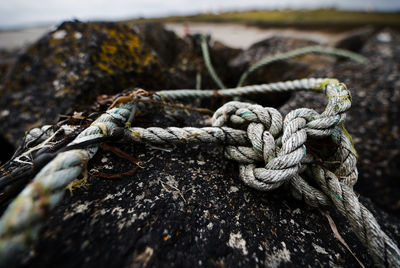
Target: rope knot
(263, 126)
(279, 145)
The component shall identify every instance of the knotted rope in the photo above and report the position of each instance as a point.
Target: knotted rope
(270, 150)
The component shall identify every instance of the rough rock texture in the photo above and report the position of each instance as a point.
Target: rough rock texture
(277, 71)
(295, 68)
(72, 65)
(355, 39)
(7, 59)
(187, 207)
(68, 67)
(374, 117)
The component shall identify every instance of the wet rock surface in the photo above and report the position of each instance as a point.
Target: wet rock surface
(355, 39)
(291, 69)
(374, 118)
(186, 206)
(69, 67)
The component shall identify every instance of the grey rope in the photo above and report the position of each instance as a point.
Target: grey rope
(172, 135)
(207, 62)
(301, 51)
(20, 223)
(287, 86)
(383, 250)
(271, 152)
(279, 145)
(198, 81)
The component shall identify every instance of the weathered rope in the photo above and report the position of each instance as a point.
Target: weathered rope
(280, 146)
(207, 62)
(21, 222)
(298, 52)
(287, 86)
(278, 57)
(383, 250)
(263, 126)
(171, 135)
(271, 151)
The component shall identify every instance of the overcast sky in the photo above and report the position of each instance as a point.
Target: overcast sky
(15, 13)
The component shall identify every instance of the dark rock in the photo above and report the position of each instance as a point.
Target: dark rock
(355, 39)
(165, 43)
(186, 206)
(7, 59)
(275, 71)
(295, 68)
(70, 66)
(374, 117)
(221, 55)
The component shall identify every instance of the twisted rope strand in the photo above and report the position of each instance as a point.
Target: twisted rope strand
(383, 250)
(173, 135)
(21, 222)
(285, 165)
(207, 61)
(287, 86)
(298, 52)
(270, 152)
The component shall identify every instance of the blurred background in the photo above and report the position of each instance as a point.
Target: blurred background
(25, 13)
(65, 61)
(23, 21)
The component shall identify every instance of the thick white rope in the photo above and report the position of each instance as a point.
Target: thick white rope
(383, 250)
(279, 145)
(21, 222)
(270, 152)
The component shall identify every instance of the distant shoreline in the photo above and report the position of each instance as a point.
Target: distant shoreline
(17, 39)
(233, 35)
(322, 23)
(302, 18)
(319, 19)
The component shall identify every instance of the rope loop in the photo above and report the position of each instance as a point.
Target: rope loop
(270, 151)
(277, 147)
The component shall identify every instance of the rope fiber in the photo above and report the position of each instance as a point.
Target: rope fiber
(270, 149)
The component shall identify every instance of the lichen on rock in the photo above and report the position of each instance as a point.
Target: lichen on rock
(186, 206)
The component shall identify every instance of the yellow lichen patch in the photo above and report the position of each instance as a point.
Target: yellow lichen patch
(122, 50)
(79, 183)
(105, 67)
(323, 84)
(230, 203)
(107, 48)
(347, 134)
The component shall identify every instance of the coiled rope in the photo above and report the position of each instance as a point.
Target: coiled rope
(271, 151)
